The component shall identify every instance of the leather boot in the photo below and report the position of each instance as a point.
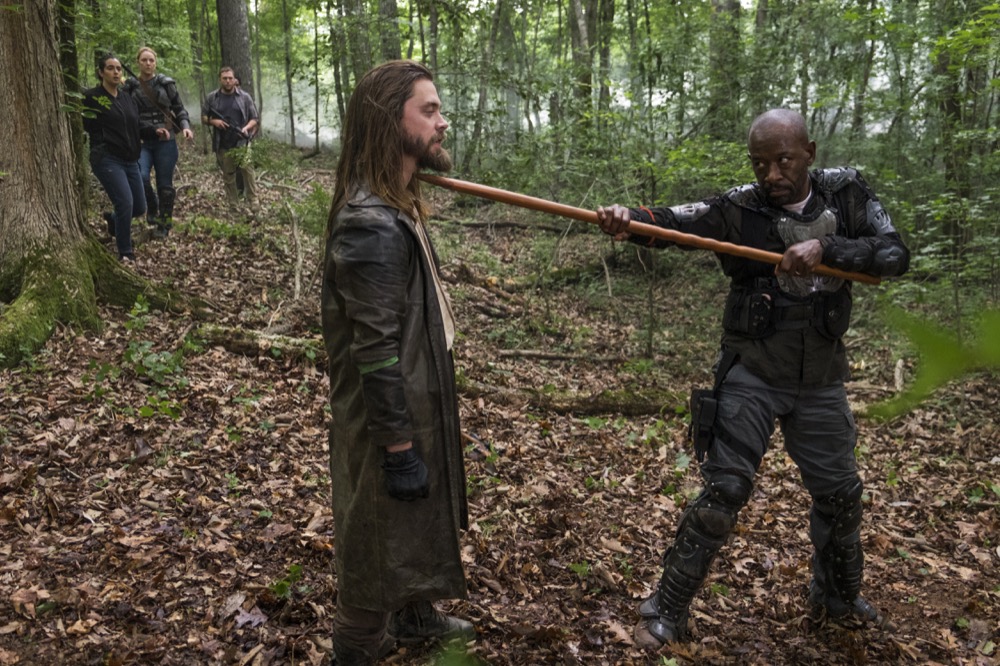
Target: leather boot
(838, 559)
(152, 204)
(838, 609)
(346, 655)
(704, 528)
(165, 219)
(419, 621)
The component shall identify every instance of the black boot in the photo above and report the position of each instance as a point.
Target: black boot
(152, 205)
(165, 219)
(838, 561)
(704, 528)
(419, 621)
(346, 655)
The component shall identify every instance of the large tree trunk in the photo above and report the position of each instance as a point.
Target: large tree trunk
(52, 269)
(357, 37)
(389, 41)
(234, 41)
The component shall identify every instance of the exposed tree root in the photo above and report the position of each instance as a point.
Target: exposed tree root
(64, 285)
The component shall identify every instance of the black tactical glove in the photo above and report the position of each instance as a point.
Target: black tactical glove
(405, 475)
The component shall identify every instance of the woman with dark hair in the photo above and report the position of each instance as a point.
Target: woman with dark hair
(112, 121)
(159, 105)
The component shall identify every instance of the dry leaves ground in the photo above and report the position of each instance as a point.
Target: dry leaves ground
(163, 501)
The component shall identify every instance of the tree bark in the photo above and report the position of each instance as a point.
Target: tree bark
(357, 37)
(52, 269)
(389, 40)
(286, 21)
(234, 41)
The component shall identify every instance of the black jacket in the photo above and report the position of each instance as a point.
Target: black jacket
(113, 125)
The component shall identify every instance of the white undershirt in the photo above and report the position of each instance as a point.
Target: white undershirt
(797, 208)
(443, 301)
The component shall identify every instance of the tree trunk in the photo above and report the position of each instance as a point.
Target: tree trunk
(388, 12)
(198, 32)
(357, 37)
(234, 41)
(724, 121)
(286, 21)
(485, 65)
(52, 269)
(315, 64)
(582, 55)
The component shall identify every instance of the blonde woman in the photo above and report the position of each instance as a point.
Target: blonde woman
(160, 106)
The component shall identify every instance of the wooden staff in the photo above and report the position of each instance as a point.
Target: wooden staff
(640, 228)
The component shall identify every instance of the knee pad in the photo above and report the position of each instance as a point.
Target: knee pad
(714, 511)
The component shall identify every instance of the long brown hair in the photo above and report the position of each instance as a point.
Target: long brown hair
(371, 145)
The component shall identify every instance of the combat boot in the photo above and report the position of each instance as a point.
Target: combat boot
(419, 621)
(347, 655)
(704, 528)
(165, 219)
(152, 204)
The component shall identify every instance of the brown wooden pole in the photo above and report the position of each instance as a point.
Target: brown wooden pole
(640, 228)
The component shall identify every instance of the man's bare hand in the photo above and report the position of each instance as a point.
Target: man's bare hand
(801, 259)
(614, 220)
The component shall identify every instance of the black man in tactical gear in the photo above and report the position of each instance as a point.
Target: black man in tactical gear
(782, 358)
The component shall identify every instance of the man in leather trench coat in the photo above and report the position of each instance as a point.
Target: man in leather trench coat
(395, 451)
(783, 359)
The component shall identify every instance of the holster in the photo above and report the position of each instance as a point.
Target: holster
(704, 407)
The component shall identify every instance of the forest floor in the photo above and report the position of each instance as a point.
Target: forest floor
(165, 500)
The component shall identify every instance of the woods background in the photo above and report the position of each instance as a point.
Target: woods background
(596, 101)
(164, 496)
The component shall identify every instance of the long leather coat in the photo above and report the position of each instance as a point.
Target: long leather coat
(391, 380)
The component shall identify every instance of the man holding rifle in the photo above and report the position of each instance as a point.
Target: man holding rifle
(233, 117)
(782, 359)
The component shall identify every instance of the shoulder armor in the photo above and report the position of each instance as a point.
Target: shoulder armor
(164, 80)
(834, 180)
(745, 196)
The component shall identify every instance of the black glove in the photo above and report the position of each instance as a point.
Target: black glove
(405, 475)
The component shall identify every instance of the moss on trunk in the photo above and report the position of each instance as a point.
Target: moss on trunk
(64, 284)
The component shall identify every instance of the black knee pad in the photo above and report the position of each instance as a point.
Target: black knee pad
(730, 488)
(715, 509)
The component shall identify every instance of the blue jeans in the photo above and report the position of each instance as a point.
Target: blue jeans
(123, 184)
(161, 156)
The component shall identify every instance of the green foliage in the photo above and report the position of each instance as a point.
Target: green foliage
(216, 228)
(284, 587)
(312, 212)
(943, 357)
(702, 167)
(581, 569)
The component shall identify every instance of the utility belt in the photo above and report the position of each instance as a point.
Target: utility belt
(759, 309)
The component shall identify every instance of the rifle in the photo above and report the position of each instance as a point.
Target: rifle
(241, 135)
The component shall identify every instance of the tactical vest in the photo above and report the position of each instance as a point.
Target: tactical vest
(760, 303)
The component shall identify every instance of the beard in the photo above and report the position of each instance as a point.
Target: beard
(422, 150)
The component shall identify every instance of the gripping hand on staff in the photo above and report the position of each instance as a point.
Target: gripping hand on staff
(614, 220)
(801, 259)
(405, 475)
